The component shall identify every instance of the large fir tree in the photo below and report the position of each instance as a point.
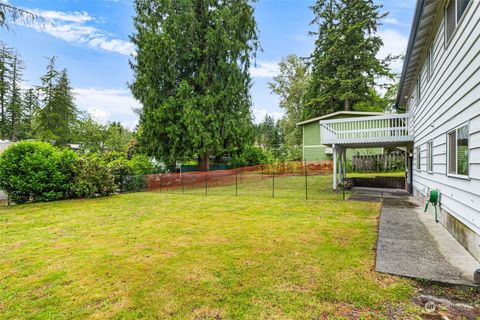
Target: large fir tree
(6, 55)
(15, 107)
(58, 113)
(191, 75)
(345, 67)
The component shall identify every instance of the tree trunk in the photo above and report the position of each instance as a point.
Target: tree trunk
(347, 104)
(204, 162)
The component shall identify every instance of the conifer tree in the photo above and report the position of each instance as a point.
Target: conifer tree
(14, 108)
(345, 67)
(58, 113)
(191, 75)
(31, 107)
(6, 55)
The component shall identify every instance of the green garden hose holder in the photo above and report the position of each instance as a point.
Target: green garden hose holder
(433, 199)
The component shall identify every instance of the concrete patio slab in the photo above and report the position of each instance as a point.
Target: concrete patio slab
(411, 244)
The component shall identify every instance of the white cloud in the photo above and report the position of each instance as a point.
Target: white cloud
(259, 114)
(264, 69)
(394, 21)
(108, 105)
(99, 115)
(73, 27)
(394, 43)
(77, 17)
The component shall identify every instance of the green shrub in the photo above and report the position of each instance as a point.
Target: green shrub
(92, 178)
(141, 164)
(36, 171)
(251, 155)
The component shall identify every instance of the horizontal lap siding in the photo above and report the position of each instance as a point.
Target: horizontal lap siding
(450, 98)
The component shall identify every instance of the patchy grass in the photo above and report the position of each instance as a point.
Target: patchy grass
(152, 255)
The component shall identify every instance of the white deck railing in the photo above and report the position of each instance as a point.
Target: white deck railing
(389, 128)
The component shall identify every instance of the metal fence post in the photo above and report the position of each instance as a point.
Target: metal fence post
(160, 182)
(306, 179)
(236, 183)
(206, 182)
(181, 181)
(262, 171)
(273, 183)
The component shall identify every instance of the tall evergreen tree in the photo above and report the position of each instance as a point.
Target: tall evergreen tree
(6, 55)
(344, 64)
(14, 109)
(270, 135)
(58, 113)
(31, 107)
(191, 75)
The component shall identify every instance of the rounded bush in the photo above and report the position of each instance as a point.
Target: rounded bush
(92, 178)
(36, 171)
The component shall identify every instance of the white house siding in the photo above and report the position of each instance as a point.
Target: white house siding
(450, 98)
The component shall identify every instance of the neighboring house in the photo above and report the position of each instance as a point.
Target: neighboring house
(312, 148)
(440, 89)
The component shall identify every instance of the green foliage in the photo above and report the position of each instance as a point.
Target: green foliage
(36, 171)
(94, 137)
(199, 103)
(59, 113)
(92, 178)
(291, 85)
(129, 175)
(120, 168)
(269, 136)
(251, 155)
(345, 67)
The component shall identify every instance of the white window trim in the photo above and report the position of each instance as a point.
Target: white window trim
(456, 175)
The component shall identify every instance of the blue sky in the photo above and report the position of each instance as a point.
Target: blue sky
(90, 39)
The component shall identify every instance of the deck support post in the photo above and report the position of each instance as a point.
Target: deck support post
(334, 167)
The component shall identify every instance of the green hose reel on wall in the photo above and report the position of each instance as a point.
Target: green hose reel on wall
(433, 199)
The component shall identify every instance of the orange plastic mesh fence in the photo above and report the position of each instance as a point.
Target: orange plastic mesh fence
(219, 178)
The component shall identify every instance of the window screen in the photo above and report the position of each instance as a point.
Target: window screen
(462, 151)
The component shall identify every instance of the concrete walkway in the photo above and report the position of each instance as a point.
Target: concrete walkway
(411, 244)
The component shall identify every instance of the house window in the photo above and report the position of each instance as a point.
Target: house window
(461, 7)
(417, 158)
(430, 156)
(458, 151)
(453, 14)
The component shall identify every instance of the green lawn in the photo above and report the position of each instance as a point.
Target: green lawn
(190, 256)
